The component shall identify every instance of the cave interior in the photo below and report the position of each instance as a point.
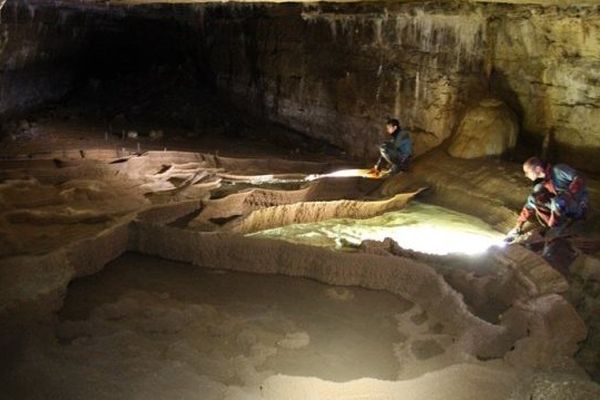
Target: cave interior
(187, 211)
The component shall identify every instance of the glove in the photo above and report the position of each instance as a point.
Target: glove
(513, 235)
(374, 171)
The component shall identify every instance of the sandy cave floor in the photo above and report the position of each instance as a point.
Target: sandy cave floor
(158, 328)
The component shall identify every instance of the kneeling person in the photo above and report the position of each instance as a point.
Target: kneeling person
(396, 152)
(558, 198)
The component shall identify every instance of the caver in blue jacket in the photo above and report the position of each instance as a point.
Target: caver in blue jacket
(396, 151)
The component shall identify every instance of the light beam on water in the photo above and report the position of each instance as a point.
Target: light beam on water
(343, 173)
(274, 179)
(420, 227)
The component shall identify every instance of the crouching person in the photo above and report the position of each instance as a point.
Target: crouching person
(395, 152)
(558, 199)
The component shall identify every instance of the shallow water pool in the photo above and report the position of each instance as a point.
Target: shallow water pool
(421, 227)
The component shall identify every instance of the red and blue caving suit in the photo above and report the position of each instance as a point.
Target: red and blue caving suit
(561, 196)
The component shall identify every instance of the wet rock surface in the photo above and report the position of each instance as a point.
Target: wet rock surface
(489, 128)
(584, 293)
(506, 307)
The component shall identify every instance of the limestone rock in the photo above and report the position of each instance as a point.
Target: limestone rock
(556, 386)
(488, 128)
(553, 93)
(587, 268)
(552, 329)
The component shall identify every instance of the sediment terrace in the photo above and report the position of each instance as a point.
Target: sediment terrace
(501, 316)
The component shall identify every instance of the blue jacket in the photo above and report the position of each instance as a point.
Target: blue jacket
(570, 189)
(402, 142)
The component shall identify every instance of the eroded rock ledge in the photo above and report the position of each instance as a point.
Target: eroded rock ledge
(513, 309)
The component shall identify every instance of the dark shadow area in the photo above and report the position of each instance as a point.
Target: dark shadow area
(141, 74)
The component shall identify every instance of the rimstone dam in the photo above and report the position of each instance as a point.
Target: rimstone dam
(189, 208)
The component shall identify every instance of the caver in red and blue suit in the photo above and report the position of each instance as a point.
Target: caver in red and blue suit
(559, 197)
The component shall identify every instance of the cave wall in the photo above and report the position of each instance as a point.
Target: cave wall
(547, 67)
(336, 71)
(39, 44)
(97, 55)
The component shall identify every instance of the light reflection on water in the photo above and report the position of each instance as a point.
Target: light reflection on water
(420, 227)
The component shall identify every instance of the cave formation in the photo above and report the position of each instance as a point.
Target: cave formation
(185, 209)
